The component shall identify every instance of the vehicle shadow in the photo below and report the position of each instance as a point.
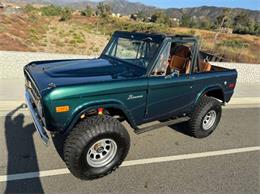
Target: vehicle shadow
(58, 142)
(181, 128)
(21, 154)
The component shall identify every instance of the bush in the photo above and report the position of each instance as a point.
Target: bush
(51, 10)
(237, 44)
(29, 8)
(103, 10)
(65, 15)
(87, 12)
(160, 17)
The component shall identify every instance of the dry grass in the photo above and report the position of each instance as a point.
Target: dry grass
(83, 35)
(71, 38)
(249, 53)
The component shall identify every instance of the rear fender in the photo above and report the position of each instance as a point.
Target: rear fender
(208, 89)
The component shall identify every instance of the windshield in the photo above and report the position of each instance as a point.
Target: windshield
(134, 51)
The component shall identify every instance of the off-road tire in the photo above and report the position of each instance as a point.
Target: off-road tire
(204, 106)
(84, 135)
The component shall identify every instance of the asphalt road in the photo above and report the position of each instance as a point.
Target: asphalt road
(21, 151)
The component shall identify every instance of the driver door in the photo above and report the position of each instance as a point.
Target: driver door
(169, 94)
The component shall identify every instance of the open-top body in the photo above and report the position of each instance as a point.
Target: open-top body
(139, 77)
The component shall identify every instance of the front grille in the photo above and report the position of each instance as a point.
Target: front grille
(29, 83)
(34, 92)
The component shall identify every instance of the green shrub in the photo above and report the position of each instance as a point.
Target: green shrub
(2, 28)
(192, 32)
(65, 14)
(237, 44)
(87, 12)
(51, 10)
(29, 8)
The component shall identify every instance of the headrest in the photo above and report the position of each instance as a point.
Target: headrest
(182, 51)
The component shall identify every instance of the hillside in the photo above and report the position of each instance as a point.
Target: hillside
(211, 12)
(88, 35)
(125, 7)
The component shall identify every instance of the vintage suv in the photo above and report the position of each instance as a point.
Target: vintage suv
(138, 78)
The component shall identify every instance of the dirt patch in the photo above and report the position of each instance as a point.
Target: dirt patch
(89, 35)
(10, 43)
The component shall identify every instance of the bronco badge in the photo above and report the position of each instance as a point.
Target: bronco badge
(131, 97)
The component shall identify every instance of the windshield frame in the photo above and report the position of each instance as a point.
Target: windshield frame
(156, 38)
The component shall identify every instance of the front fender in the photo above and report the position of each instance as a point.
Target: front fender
(94, 105)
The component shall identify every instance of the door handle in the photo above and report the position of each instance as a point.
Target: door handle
(175, 73)
(168, 76)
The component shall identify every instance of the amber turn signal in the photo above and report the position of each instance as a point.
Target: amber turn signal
(62, 108)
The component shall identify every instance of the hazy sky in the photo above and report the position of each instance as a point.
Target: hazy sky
(248, 4)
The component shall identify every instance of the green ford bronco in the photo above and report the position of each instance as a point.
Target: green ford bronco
(138, 78)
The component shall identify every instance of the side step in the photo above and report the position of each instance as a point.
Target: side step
(166, 123)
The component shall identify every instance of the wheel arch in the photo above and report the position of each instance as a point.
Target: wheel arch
(114, 106)
(213, 91)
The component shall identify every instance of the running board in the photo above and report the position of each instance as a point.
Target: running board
(162, 124)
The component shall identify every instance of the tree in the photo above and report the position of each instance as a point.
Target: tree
(141, 15)
(193, 22)
(241, 19)
(65, 14)
(88, 11)
(29, 8)
(133, 16)
(224, 20)
(221, 20)
(51, 10)
(159, 17)
(244, 25)
(185, 20)
(205, 24)
(221, 23)
(257, 29)
(103, 10)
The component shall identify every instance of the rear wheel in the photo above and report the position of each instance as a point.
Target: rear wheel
(205, 117)
(96, 147)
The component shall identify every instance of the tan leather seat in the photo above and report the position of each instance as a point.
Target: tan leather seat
(180, 59)
(188, 66)
(204, 66)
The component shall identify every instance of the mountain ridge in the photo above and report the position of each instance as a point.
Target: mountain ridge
(126, 8)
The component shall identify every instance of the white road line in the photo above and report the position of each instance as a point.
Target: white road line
(29, 175)
(189, 156)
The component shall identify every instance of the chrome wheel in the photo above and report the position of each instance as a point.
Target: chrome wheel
(101, 153)
(209, 119)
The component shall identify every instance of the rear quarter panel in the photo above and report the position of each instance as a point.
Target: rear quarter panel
(214, 80)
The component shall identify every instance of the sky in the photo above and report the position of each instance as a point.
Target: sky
(247, 4)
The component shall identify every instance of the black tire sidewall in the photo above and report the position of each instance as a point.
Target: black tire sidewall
(84, 135)
(206, 105)
(217, 109)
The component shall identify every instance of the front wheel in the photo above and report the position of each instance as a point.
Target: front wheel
(96, 147)
(205, 117)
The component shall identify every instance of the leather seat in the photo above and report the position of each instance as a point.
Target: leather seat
(180, 59)
(204, 66)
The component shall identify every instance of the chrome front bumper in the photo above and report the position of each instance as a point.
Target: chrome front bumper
(36, 120)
